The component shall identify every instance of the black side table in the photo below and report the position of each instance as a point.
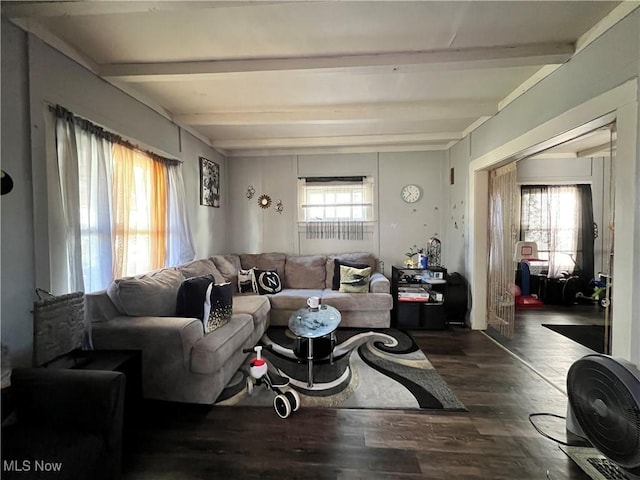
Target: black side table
(128, 362)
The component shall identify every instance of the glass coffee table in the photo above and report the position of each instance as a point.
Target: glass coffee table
(311, 323)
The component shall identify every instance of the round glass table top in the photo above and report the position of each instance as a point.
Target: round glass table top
(314, 323)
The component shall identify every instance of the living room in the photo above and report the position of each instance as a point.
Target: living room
(600, 79)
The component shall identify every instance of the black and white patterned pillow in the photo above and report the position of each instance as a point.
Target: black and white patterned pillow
(247, 281)
(218, 306)
(201, 298)
(267, 281)
(191, 296)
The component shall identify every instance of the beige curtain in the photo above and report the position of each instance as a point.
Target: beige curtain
(503, 221)
(139, 209)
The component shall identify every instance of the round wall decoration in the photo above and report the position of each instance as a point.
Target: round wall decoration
(411, 193)
(6, 182)
(264, 201)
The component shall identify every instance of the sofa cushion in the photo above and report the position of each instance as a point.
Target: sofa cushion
(354, 280)
(228, 266)
(257, 306)
(210, 353)
(358, 257)
(292, 299)
(264, 261)
(151, 294)
(357, 301)
(335, 285)
(305, 271)
(204, 266)
(267, 281)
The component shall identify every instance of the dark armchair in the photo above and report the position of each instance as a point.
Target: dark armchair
(68, 424)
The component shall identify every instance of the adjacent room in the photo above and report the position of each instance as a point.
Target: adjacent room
(320, 239)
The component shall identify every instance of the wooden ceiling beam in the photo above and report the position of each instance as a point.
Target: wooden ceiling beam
(448, 59)
(340, 141)
(346, 114)
(74, 8)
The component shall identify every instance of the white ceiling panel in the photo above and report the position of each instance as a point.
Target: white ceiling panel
(277, 77)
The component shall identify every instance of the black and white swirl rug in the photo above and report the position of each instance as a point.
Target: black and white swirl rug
(373, 369)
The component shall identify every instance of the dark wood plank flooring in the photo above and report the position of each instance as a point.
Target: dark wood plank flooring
(546, 351)
(493, 440)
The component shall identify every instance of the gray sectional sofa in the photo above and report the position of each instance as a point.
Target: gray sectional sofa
(179, 361)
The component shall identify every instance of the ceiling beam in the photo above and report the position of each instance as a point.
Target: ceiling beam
(73, 8)
(258, 152)
(355, 140)
(448, 59)
(603, 150)
(345, 114)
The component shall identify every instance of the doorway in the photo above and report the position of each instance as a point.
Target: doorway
(574, 236)
(618, 104)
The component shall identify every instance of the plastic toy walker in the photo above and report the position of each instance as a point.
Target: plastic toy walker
(286, 400)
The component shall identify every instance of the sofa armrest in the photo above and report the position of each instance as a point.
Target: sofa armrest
(88, 400)
(99, 307)
(162, 340)
(378, 283)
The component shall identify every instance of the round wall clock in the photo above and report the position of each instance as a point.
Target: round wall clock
(411, 193)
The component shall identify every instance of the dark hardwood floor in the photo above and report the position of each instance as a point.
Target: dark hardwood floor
(546, 351)
(493, 440)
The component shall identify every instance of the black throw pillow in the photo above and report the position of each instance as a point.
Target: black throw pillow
(267, 281)
(218, 306)
(335, 284)
(191, 296)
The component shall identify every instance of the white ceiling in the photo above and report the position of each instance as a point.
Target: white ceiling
(274, 77)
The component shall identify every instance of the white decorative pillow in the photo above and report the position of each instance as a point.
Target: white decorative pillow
(247, 281)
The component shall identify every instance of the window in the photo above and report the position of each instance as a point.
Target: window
(336, 199)
(551, 217)
(336, 207)
(123, 208)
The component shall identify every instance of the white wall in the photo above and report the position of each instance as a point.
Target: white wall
(33, 76)
(601, 79)
(252, 229)
(403, 225)
(399, 227)
(457, 212)
(18, 271)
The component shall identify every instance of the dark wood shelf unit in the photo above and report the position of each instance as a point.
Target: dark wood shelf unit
(419, 313)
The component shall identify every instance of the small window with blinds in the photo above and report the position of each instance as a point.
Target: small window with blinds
(336, 207)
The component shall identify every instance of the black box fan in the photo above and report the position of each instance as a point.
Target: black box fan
(604, 408)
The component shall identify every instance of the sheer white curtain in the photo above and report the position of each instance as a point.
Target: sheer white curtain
(564, 217)
(87, 169)
(179, 242)
(95, 167)
(67, 166)
(84, 169)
